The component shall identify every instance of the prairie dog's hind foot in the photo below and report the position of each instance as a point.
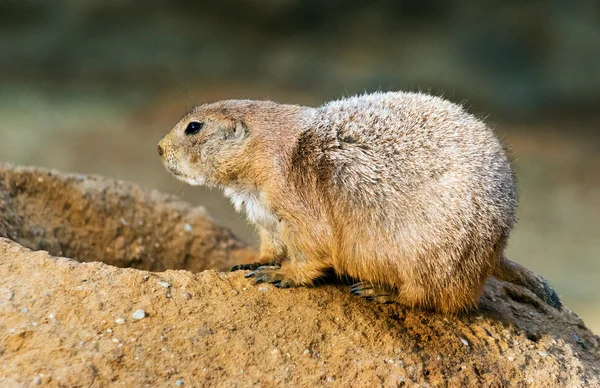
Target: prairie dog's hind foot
(373, 292)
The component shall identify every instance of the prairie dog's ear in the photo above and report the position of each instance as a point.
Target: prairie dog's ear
(237, 131)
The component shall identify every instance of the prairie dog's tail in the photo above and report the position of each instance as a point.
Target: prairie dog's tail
(517, 274)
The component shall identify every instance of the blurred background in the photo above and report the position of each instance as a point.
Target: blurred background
(90, 86)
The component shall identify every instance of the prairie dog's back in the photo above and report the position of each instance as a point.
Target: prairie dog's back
(417, 165)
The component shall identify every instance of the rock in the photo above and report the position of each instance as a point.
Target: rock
(138, 314)
(298, 337)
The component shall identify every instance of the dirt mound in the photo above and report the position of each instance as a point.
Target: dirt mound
(66, 323)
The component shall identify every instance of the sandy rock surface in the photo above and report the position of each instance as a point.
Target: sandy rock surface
(87, 323)
(96, 219)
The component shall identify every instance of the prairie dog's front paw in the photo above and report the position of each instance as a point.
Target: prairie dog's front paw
(252, 266)
(242, 267)
(271, 274)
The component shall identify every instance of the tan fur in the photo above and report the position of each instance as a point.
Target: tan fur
(405, 192)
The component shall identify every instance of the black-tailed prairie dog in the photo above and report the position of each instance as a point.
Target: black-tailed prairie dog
(405, 192)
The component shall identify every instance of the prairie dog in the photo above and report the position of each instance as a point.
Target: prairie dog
(405, 192)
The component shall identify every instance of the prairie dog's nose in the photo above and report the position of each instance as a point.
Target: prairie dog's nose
(160, 150)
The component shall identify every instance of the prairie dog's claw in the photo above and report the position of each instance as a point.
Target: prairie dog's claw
(372, 292)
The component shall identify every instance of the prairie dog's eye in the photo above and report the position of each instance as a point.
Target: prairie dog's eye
(193, 128)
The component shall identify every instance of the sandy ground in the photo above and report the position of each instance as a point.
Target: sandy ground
(87, 323)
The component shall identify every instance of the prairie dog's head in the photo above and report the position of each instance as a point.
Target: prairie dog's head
(222, 143)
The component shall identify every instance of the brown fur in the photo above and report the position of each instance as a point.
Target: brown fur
(406, 192)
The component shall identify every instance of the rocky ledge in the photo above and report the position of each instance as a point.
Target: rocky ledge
(139, 301)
